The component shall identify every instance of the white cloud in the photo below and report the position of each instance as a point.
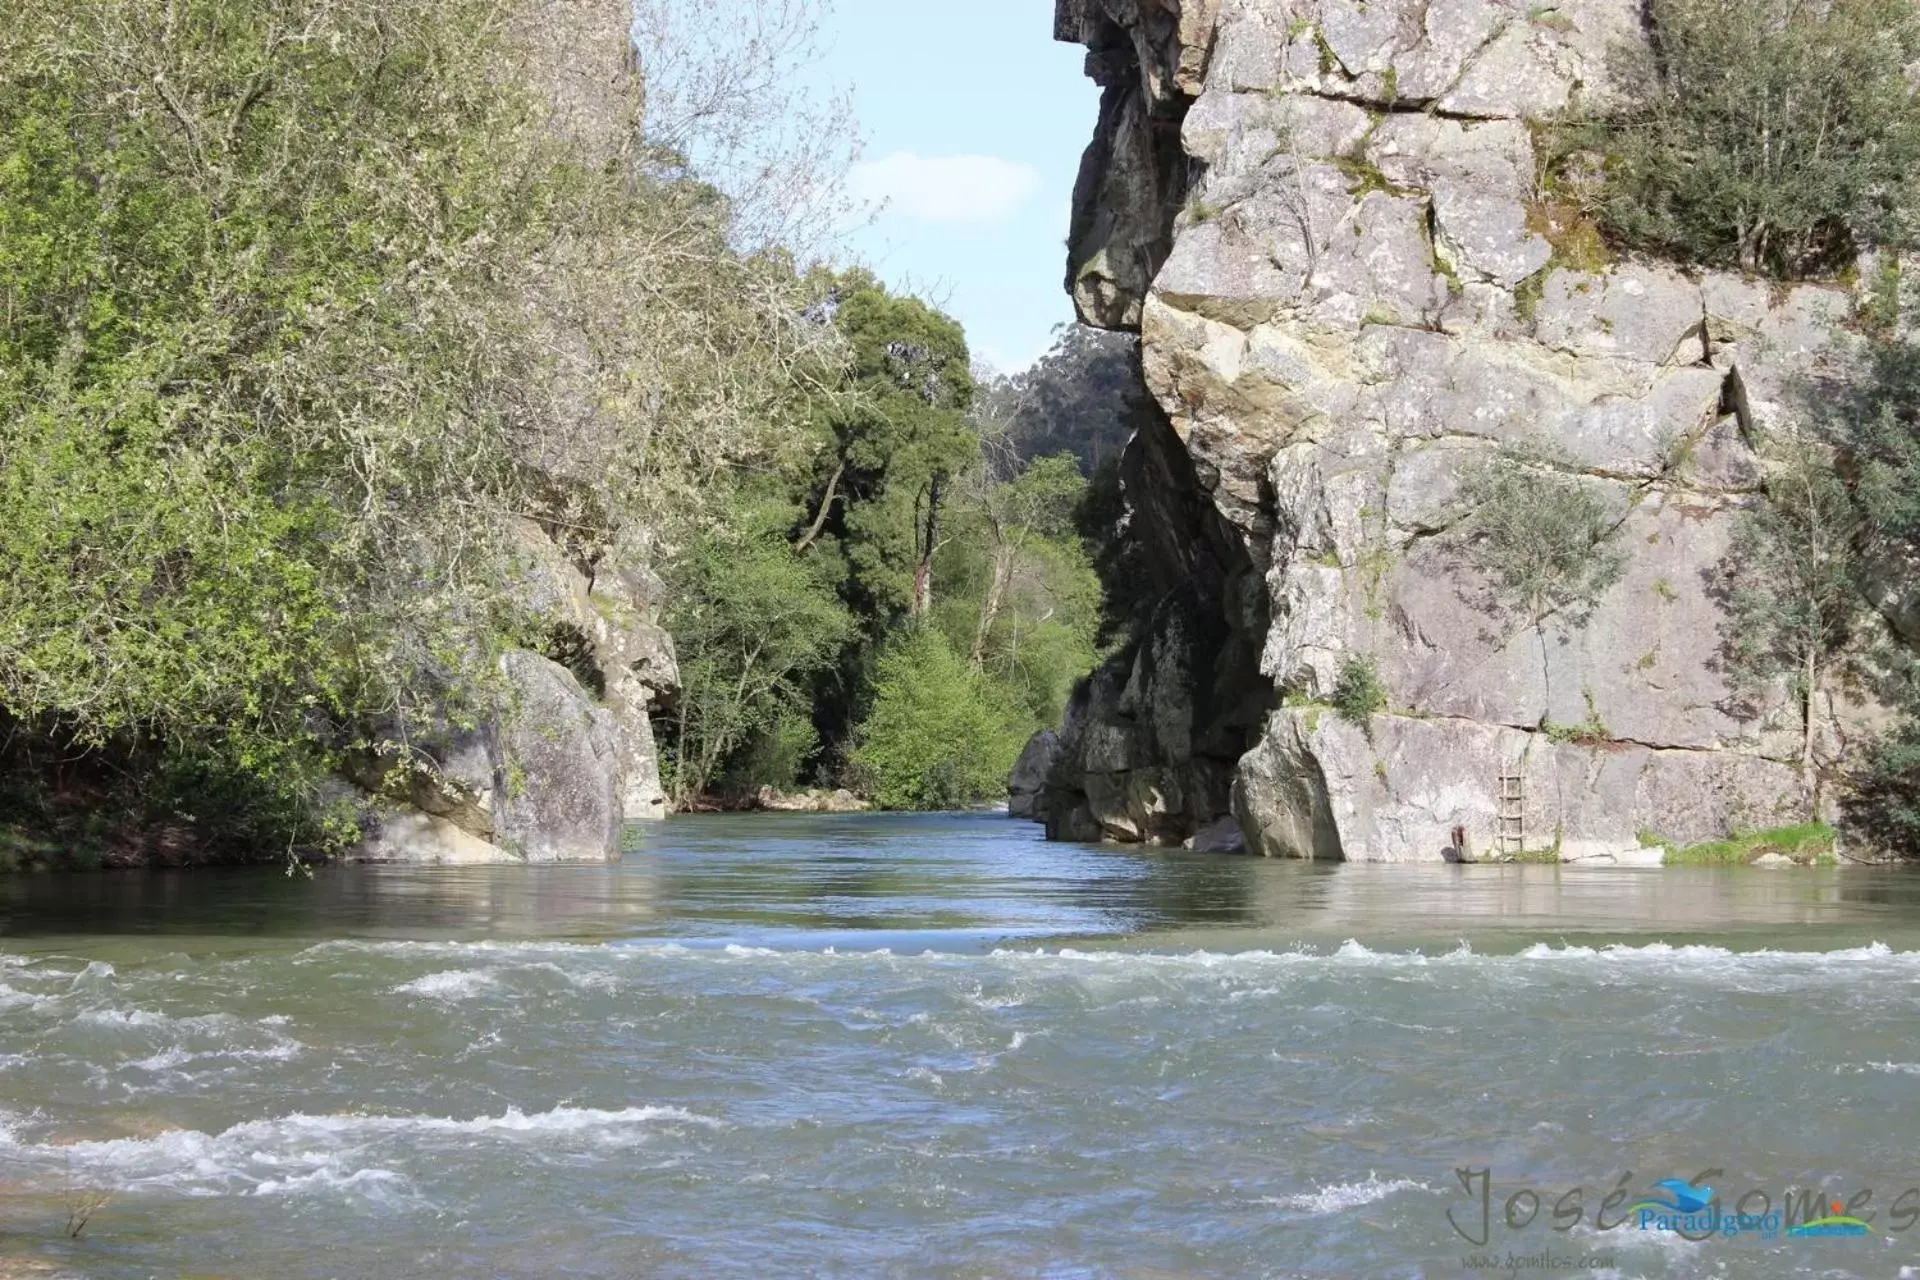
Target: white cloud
(968, 189)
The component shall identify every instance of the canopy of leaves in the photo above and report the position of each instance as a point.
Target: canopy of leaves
(299, 303)
(1539, 536)
(940, 735)
(1795, 585)
(1081, 397)
(892, 437)
(754, 624)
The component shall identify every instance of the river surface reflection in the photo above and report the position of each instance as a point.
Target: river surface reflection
(935, 1046)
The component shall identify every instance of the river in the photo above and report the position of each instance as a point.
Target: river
(936, 1046)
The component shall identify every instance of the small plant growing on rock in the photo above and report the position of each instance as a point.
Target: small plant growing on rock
(1540, 537)
(1358, 691)
(1793, 595)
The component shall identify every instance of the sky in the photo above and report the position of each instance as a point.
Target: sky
(974, 121)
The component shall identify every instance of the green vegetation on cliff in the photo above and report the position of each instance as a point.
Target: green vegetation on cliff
(1769, 135)
(273, 389)
(969, 601)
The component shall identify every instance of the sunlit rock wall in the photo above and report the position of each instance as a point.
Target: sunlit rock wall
(1325, 218)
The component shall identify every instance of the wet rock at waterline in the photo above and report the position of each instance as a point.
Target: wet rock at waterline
(539, 780)
(1351, 295)
(814, 800)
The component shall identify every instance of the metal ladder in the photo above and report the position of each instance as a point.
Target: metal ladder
(1510, 839)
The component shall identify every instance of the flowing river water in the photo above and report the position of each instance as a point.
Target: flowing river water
(935, 1046)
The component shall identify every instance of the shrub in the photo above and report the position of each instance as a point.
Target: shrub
(754, 623)
(1885, 804)
(1539, 536)
(1358, 691)
(1794, 582)
(1768, 135)
(940, 735)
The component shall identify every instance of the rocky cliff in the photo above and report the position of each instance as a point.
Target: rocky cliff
(1326, 219)
(560, 756)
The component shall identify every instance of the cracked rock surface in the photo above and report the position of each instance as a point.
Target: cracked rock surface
(1355, 294)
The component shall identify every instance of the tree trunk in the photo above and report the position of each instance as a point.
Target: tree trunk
(1812, 678)
(923, 570)
(990, 611)
(826, 505)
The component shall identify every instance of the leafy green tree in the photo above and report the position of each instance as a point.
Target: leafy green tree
(1358, 690)
(1082, 397)
(1540, 537)
(895, 438)
(300, 304)
(1770, 135)
(1795, 585)
(754, 623)
(940, 735)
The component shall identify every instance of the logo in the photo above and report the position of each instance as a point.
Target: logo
(1686, 1197)
(1837, 1223)
(1687, 1207)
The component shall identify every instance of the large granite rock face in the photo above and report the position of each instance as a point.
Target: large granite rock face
(1148, 746)
(563, 756)
(1363, 294)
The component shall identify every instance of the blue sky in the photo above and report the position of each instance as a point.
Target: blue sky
(974, 121)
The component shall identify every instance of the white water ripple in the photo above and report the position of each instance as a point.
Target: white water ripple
(1341, 1196)
(295, 1152)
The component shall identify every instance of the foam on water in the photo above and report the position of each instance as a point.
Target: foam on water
(448, 984)
(290, 1153)
(1345, 1195)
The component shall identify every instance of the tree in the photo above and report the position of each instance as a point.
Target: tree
(940, 735)
(754, 623)
(300, 305)
(893, 441)
(1769, 135)
(1082, 397)
(1795, 586)
(1539, 536)
(1036, 505)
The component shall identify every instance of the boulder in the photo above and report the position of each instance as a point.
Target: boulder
(815, 800)
(536, 780)
(1030, 772)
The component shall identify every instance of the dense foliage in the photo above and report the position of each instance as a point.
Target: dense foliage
(272, 379)
(941, 733)
(969, 603)
(1541, 537)
(1770, 135)
(1874, 431)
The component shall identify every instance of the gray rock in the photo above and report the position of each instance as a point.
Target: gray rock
(1222, 835)
(1030, 772)
(537, 780)
(1352, 310)
(557, 767)
(425, 839)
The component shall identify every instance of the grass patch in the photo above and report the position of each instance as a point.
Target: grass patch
(1199, 210)
(1578, 244)
(1810, 843)
(1590, 732)
(1529, 292)
(1550, 17)
(1365, 177)
(1536, 856)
